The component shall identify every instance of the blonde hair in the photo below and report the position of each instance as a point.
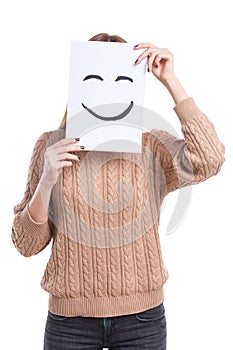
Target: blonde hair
(98, 37)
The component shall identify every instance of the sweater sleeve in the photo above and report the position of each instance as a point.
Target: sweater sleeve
(196, 157)
(28, 236)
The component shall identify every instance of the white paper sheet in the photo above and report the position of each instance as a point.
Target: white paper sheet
(105, 96)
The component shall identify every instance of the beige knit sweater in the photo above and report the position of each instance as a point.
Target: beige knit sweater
(104, 215)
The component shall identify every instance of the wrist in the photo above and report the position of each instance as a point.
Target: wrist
(39, 203)
(170, 81)
(45, 185)
(176, 89)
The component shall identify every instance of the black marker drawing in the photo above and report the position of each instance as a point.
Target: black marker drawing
(117, 117)
(123, 77)
(91, 76)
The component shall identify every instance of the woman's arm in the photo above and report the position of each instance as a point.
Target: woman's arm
(32, 227)
(200, 154)
(176, 89)
(196, 157)
(56, 157)
(39, 203)
(30, 235)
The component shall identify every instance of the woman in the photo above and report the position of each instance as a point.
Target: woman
(106, 286)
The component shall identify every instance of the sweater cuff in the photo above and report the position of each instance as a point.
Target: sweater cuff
(29, 225)
(186, 109)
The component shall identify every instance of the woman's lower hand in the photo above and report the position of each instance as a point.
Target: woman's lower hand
(160, 61)
(57, 157)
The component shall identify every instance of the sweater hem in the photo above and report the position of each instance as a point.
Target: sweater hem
(106, 306)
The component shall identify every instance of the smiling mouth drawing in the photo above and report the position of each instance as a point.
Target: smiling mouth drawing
(117, 117)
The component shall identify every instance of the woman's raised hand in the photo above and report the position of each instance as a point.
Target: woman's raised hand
(57, 157)
(160, 61)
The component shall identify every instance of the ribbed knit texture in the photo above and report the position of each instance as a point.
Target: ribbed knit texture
(103, 219)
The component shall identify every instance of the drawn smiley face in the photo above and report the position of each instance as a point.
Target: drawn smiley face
(105, 96)
(119, 116)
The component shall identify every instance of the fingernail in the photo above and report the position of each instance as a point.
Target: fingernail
(82, 147)
(77, 138)
(148, 69)
(136, 61)
(136, 45)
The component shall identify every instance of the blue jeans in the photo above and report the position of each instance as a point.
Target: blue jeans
(142, 330)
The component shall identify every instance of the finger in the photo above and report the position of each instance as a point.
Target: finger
(65, 156)
(59, 165)
(64, 142)
(165, 55)
(68, 148)
(145, 54)
(150, 61)
(142, 45)
(162, 53)
(65, 163)
(162, 56)
(149, 51)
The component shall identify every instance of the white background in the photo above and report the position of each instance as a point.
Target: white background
(35, 42)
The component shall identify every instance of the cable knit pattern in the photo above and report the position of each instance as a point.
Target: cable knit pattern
(98, 258)
(135, 248)
(103, 217)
